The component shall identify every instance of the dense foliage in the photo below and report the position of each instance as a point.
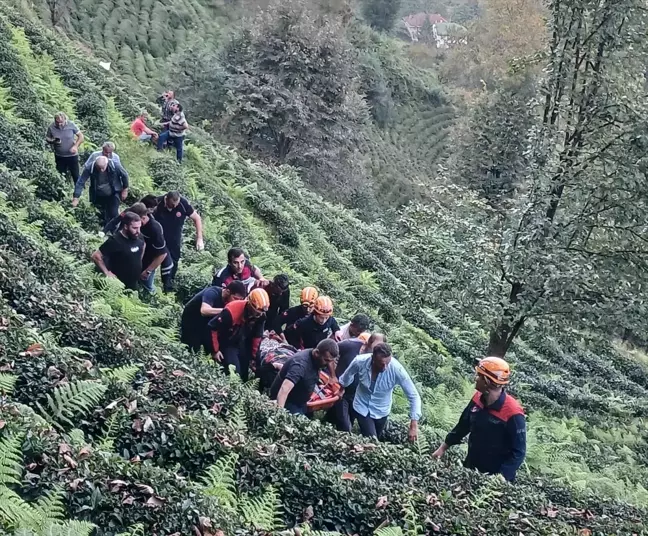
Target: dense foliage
(138, 437)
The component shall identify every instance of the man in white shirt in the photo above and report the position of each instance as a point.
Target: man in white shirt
(359, 324)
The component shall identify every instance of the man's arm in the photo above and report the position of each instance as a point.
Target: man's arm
(113, 225)
(335, 328)
(460, 431)
(412, 394)
(79, 186)
(219, 324)
(516, 429)
(348, 376)
(97, 258)
(122, 174)
(200, 245)
(49, 137)
(155, 263)
(283, 393)
(79, 140)
(207, 306)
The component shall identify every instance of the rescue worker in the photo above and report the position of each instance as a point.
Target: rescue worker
(378, 374)
(342, 414)
(318, 325)
(107, 150)
(171, 210)
(279, 291)
(237, 331)
(359, 324)
(65, 138)
(238, 268)
(289, 317)
(495, 422)
(108, 186)
(155, 253)
(296, 381)
(121, 254)
(206, 304)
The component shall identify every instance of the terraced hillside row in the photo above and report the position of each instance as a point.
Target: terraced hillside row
(148, 420)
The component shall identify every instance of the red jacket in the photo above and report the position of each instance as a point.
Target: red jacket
(233, 325)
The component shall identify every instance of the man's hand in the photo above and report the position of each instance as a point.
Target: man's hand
(145, 275)
(218, 357)
(74, 149)
(438, 453)
(338, 336)
(75, 201)
(124, 194)
(412, 435)
(200, 245)
(110, 274)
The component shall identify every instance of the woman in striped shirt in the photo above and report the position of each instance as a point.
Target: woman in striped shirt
(176, 131)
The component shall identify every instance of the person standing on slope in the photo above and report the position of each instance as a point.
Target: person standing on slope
(342, 414)
(289, 317)
(296, 381)
(65, 138)
(238, 268)
(495, 422)
(237, 331)
(206, 304)
(175, 131)
(171, 210)
(359, 324)
(121, 254)
(317, 326)
(279, 291)
(108, 186)
(107, 150)
(378, 374)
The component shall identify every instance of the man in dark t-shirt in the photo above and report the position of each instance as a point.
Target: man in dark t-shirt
(121, 255)
(171, 211)
(207, 303)
(296, 381)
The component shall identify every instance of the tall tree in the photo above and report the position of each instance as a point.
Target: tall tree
(573, 243)
(381, 14)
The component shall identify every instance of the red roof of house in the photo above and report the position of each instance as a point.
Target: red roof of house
(418, 20)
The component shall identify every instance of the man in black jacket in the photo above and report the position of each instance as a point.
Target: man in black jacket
(108, 185)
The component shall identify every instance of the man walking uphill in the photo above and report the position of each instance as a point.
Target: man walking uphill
(108, 185)
(171, 210)
(378, 374)
(495, 422)
(65, 138)
(296, 381)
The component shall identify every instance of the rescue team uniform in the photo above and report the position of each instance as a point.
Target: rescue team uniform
(301, 370)
(289, 318)
(123, 257)
(497, 440)
(309, 333)
(194, 327)
(373, 398)
(342, 414)
(155, 246)
(172, 222)
(237, 336)
(226, 275)
(279, 303)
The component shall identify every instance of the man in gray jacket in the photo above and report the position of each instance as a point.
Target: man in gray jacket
(108, 186)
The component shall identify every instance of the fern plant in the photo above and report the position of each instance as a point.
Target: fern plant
(7, 383)
(264, 512)
(123, 375)
(72, 399)
(219, 482)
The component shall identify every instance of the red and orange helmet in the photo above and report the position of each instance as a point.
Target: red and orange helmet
(495, 369)
(308, 296)
(323, 306)
(259, 300)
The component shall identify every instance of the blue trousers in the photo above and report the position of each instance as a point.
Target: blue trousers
(178, 142)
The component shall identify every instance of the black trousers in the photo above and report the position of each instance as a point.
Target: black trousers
(371, 427)
(174, 253)
(239, 358)
(68, 164)
(166, 269)
(342, 415)
(108, 207)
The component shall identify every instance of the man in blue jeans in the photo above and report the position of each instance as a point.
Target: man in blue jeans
(175, 132)
(296, 381)
(378, 373)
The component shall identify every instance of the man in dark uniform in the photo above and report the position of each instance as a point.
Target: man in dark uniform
(319, 325)
(290, 317)
(296, 381)
(205, 305)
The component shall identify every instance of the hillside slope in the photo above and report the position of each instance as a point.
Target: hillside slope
(133, 422)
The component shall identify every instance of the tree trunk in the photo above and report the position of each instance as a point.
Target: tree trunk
(503, 336)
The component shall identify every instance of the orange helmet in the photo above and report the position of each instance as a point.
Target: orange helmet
(364, 337)
(495, 369)
(323, 306)
(309, 295)
(259, 299)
